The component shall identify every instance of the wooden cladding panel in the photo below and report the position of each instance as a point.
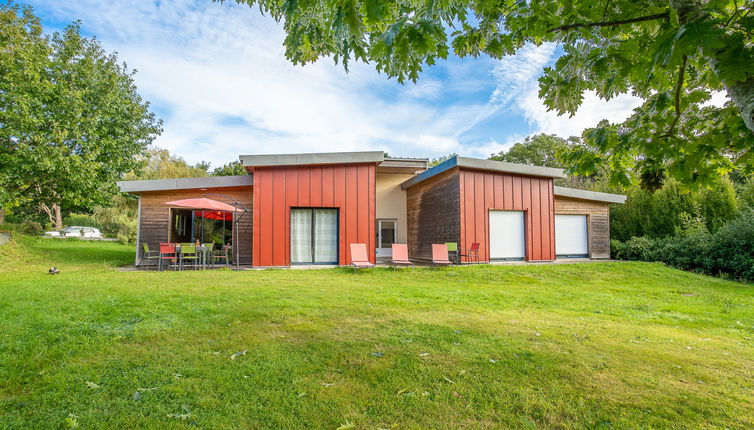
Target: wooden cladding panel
(433, 213)
(482, 191)
(598, 219)
(347, 187)
(154, 218)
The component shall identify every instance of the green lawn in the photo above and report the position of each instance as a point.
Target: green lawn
(603, 345)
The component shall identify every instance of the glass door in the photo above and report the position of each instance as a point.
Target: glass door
(385, 237)
(314, 236)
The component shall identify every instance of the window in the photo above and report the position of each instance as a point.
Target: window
(314, 236)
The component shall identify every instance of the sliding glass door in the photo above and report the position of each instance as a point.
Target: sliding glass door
(314, 236)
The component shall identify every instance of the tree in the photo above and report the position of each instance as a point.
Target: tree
(435, 161)
(158, 163)
(234, 168)
(72, 120)
(538, 150)
(673, 54)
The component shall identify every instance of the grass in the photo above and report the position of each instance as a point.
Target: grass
(604, 345)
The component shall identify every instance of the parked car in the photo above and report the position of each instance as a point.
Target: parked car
(76, 231)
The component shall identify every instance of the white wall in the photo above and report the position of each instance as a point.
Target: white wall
(391, 201)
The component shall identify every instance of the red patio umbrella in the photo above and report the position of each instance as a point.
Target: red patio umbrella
(202, 203)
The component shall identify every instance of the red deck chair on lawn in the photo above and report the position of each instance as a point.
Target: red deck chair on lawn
(440, 255)
(472, 253)
(400, 256)
(359, 259)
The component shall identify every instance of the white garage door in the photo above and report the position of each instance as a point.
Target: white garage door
(571, 237)
(507, 235)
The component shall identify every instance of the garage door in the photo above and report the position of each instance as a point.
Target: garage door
(571, 237)
(507, 241)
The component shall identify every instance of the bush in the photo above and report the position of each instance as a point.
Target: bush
(31, 228)
(731, 250)
(636, 249)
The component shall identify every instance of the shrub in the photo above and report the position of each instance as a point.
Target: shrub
(31, 228)
(731, 250)
(636, 248)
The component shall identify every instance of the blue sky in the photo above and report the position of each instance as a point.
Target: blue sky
(217, 76)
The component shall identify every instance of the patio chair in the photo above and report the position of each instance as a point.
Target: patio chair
(222, 254)
(207, 254)
(168, 255)
(472, 253)
(440, 255)
(400, 256)
(453, 251)
(188, 253)
(149, 255)
(359, 259)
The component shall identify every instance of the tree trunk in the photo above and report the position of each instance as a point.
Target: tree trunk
(58, 216)
(741, 93)
(2, 215)
(53, 214)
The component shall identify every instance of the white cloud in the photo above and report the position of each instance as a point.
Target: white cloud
(592, 110)
(218, 76)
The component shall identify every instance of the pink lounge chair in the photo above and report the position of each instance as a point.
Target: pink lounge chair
(440, 255)
(400, 256)
(359, 259)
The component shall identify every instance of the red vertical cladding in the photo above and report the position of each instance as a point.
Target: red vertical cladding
(349, 188)
(279, 249)
(362, 208)
(328, 186)
(372, 216)
(480, 214)
(548, 219)
(265, 211)
(485, 191)
(462, 209)
(316, 185)
(256, 240)
(339, 187)
(535, 226)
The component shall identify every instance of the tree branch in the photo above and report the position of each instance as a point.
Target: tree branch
(677, 98)
(663, 15)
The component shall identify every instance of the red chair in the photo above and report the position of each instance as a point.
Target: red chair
(472, 253)
(168, 255)
(440, 255)
(359, 259)
(400, 256)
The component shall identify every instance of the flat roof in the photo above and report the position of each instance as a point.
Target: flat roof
(270, 160)
(575, 193)
(489, 165)
(185, 183)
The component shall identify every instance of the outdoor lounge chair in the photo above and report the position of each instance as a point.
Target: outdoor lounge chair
(359, 259)
(221, 255)
(149, 255)
(453, 252)
(168, 255)
(400, 256)
(189, 255)
(472, 254)
(440, 255)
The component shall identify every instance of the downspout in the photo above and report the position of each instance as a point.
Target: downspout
(138, 231)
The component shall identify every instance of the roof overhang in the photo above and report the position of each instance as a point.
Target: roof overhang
(596, 196)
(487, 165)
(403, 165)
(185, 183)
(274, 160)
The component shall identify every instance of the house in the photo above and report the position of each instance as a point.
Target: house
(307, 208)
